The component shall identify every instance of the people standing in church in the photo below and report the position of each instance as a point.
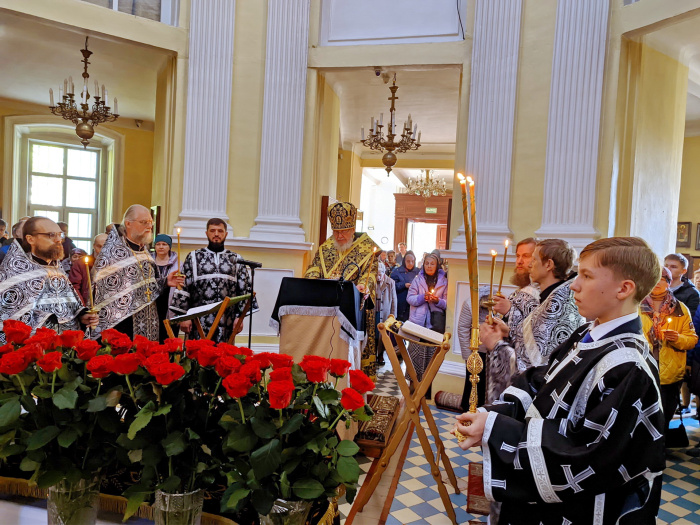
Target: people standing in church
(546, 327)
(352, 256)
(387, 303)
(16, 236)
(403, 277)
(427, 297)
(68, 244)
(668, 326)
(125, 275)
(212, 274)
(78, 272)
(401, 253)
(391, 263)
(166, 263)
(34, 288)
(4, 238)
(683, 290)
(579, 439)
(76, 255)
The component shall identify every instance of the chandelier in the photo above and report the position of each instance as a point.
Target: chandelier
(80, 113)
(378, 141)
(428, 187)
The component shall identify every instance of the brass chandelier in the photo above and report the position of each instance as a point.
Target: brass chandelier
(80, 113)
(427, 187)
(379, 142)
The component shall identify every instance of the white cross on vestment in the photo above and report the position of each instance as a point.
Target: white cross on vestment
(558, 401)
(576, 359)
(643, 418)
(511, 448)
(603, 429)
(499, 483)
(563, 424)
(551, 369)
(573, 481)
(566, 522)
(626, 476)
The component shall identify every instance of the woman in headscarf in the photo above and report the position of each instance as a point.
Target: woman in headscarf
(669, 329)
(166, 263)
(403, 277)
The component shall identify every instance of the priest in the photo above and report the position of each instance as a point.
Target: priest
(351, 256)
(34, 288)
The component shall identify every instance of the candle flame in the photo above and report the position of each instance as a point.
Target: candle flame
(460, 177)
(669, 320)
(507, 243)
(470, 180)
(87, 259)
(374, 250)
(494, 253)
(178, 231)
(432, 290)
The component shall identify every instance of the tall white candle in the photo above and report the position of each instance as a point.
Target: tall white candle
(103, 94)
(363, 133)
(51, 95)
(116, 108)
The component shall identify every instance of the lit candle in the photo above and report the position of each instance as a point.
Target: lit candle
(87, 270)
(503, 268)
(51, 95)
(494, 253)
(472, 203)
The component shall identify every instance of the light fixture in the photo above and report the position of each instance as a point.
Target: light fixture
(80, 113)
(427, 187)
(378, 141)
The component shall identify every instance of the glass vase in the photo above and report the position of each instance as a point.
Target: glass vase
(178, 509)
(287, 513)
(74, 503)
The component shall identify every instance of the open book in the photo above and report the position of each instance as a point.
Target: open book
(206, 309)
(415, 330)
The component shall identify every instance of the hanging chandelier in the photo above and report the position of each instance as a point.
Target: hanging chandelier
(427, 187)
(380, 142)
(80, 113)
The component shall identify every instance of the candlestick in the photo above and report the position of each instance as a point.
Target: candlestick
(179, 257)
(503, 268)
(87, 269)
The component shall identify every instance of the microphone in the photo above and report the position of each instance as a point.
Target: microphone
(252, 264)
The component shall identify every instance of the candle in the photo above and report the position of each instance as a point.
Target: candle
(503, 268)
(87, 270)
(97, 89)
(116, 108)
(472, 203)
(72, 86)
(178, 250)
(381, 119)
(415, 128)
(494, 253)
(363, 133)
(51, 95)
(60, 94)
(418, 141)
(103, 93)
(65, 86)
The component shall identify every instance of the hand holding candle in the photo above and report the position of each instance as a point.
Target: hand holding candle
(89, 281)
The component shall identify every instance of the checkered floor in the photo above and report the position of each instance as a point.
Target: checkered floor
(417, 502)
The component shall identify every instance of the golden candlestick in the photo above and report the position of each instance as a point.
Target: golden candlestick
(503, 268)
(89, 280)
(179, 257)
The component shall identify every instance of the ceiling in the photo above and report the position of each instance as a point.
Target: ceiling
(39, 56)
(429, 94)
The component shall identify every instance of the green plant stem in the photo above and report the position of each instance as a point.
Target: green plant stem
(240, 405)
(211, 402)
(87, 449)
(337, 419)
(281, 423)
(315, 388)
(53, 381)
(131, 390)
(21, 383)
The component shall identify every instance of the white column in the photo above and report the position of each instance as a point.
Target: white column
(210, 74)
(574, 121)
(279, 194)
(494, 77)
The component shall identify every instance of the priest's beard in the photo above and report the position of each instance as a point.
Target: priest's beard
(342, 247)
(143, 239)
(521, 280)
(55, 253)
(216, 246)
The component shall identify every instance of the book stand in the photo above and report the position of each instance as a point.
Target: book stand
(415, 402)
(219, 308)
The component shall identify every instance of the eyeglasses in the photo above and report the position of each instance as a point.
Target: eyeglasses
(52, 235)
(143, 223)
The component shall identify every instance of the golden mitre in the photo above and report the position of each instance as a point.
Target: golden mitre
(342, 216)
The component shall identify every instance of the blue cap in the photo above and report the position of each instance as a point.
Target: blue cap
(161, 237)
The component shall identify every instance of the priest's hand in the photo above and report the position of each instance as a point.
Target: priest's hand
(490, 334)
(361, 288)
(471, 425)
(89, 319)
(186, 326)
(670, 335)
(175, 279)
(502, 305)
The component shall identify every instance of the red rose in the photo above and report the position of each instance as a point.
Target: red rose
(351, 400)
(155, 348)
(236, 385)
(155, 361)
(228, 349)
(174, 344)
(252, 371)
(16, 331)
(6, 348)
(360, 382)
(120, 344)
(109, 333)
(264, 358)
(70, 338)
(50, 362)
(44, 337)
(281, 360)
(87, 349)
(208, 356)
(316, 368)
(143, 345)
(34, 351)
(280, 393)
(168, 372)
(14, 362)
(281, 374)
(125, 364)
(227, 364)
(194, 346)
(339, 367)
(100, 366)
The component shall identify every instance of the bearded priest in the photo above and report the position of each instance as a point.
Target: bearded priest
(351, 256)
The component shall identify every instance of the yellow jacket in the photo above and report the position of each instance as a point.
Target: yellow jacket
(672, 354)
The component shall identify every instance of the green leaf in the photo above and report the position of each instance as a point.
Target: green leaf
(266, 459)
(347, 448)
(236, 497)
(263, 428)
(50, 478)
(7, 437)
(65, 398)
(165, 409)
(41, 392)
(67, 437)
(290, 465)
(350, 492)
(140, 421)
(298, 374)
(171, 484)
(42, 437)
(11, 450)
(348, 469)
(133, 502)
(322, 409)
(113, 397)
(28, 465)
(308, 488)
(151, 456)
(329, 396)
(135, 455)
(97, 404)
(262, 500)
(174, 443)
(285, 487)
(9, 412)
(241, 439)
(292, 425)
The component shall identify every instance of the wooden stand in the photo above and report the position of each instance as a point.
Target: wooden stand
(225, 304)
(414, 404)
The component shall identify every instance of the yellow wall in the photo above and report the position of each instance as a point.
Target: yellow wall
(688, 208)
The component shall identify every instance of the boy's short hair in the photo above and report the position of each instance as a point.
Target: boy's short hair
(678, 257)
(561, 253)
(628, 258)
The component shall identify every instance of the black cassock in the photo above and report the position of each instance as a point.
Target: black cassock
(579, 440)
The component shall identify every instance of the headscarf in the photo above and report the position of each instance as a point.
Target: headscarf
(403, 261)
(167, 239)
(431, 280)
(669, 305)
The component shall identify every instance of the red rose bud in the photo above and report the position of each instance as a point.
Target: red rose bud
(360, 382)
(281, 374)
(16, 331)
(236, 385)
(208, 356)
(251, 370)
(194, 346)
(280, 393)
(339, 367)
(281, 360)
(120, 344)
(174, 344)
(14, 363)
(351, 400)
(50, 362)
(155, 361)
(227, 364)
(316, 368)
(100, 366)
(70, 338)
(168, 372)
(126, 364)
(87, 349)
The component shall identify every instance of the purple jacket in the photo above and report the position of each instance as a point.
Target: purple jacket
(420, 310)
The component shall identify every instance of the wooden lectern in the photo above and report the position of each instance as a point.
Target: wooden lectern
(194, 314)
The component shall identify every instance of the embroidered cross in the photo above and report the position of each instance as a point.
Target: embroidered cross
(573, 481)
(558, 401)
(566, 522)
(499, 483)
(643, 418)
(604, 430)
(625, 475)
(551, 369)
(562, 426)
(510, 448)
(576, 359)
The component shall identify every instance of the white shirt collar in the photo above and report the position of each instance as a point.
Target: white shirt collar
(600, 330)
